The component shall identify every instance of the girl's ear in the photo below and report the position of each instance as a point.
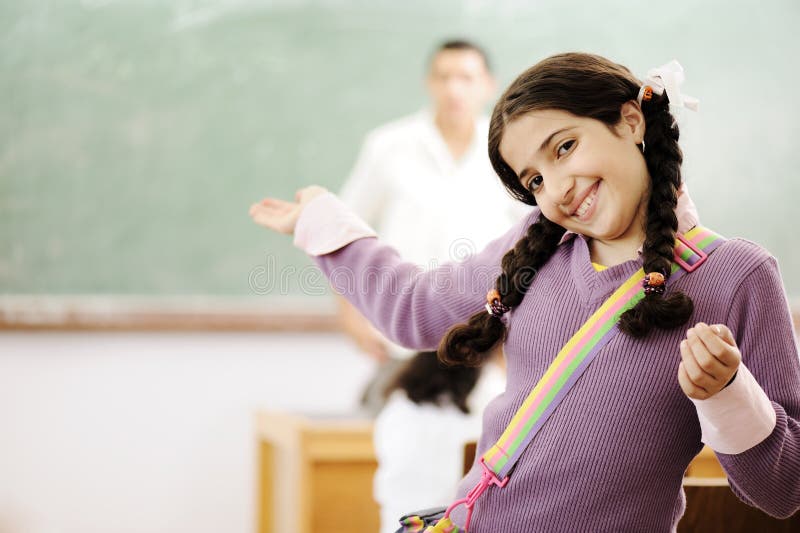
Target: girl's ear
(632, 120)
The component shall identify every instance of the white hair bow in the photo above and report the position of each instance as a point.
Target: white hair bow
(669, 77)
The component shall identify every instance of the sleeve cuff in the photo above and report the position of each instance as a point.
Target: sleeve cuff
(738, 417)
(327, 224)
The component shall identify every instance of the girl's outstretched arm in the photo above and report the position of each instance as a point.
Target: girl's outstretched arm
(411, 306)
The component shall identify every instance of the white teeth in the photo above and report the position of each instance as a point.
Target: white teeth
(586, 204)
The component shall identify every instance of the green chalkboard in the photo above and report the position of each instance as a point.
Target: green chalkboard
(135, 134)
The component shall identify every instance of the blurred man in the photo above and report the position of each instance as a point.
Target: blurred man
(424, 182)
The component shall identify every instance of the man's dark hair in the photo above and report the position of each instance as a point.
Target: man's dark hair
(462, 44)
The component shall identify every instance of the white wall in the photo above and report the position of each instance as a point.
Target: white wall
(152, 432)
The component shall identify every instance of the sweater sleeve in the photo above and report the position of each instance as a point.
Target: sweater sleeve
(767, 475)
(411, 306)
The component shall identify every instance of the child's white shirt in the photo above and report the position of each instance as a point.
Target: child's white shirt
(420, 449)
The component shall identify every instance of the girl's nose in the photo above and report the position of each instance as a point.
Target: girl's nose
(564, 191)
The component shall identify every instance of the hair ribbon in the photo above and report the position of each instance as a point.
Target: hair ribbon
(669, 77)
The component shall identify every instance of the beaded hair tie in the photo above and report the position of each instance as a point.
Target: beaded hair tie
(654, 283)
(494, 306)
(647, 93)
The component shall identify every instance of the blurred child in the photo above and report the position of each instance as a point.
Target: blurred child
(432, 411)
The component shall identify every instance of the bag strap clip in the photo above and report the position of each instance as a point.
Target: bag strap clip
(488, 478)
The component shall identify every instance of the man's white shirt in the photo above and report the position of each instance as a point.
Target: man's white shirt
(429, 206)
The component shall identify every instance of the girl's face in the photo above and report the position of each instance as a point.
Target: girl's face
(583, 176)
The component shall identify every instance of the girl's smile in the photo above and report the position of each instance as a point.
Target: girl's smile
(587, 204)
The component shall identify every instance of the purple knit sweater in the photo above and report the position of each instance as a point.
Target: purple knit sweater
(612, 456)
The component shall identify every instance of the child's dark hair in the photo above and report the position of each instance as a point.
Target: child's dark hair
(590, 86)
(425, 379)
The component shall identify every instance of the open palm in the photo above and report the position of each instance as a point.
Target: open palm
(280, 215)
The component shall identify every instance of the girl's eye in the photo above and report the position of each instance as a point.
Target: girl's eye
(564, 148)
(534, 183)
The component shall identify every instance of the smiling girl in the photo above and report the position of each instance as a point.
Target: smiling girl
(706, 351)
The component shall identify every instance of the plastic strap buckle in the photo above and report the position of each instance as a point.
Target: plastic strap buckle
(700, 253)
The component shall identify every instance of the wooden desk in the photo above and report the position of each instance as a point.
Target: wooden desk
(711, 506)
(315, 475)
(705, 465)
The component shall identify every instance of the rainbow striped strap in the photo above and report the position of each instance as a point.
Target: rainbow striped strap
(691, 250)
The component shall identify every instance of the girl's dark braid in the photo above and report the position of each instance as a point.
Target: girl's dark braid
(664, 158)
(470, 344)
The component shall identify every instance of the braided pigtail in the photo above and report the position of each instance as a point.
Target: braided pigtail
(664, 157)
(469, 344)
